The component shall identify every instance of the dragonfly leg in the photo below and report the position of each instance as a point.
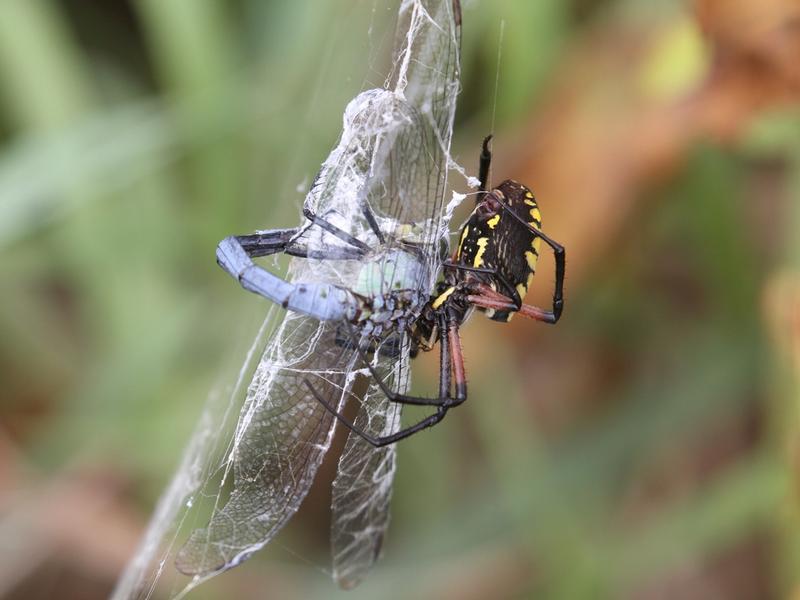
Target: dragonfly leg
(283, 240)
(334, 230)
(389, 348)
(267, 242)
(366, 210)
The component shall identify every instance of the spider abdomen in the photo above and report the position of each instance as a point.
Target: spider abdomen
(495, 240)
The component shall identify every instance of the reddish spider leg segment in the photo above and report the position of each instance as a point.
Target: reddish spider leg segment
(457, 362)
(489, 298)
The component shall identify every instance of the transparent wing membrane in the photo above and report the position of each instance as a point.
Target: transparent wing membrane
(281, 439)
(243, 477)
(409, 189)
(363, 485)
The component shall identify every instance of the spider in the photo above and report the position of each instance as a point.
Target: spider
(491, 270)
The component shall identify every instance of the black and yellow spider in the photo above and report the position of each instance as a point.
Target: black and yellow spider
(491, 270)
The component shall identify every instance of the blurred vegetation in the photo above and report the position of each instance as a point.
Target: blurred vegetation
(646, 447)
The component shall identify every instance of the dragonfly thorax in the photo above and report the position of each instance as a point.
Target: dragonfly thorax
(388, 291)
(390, 272)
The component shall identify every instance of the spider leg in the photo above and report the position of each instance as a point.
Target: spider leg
(513, 294)
(560, 262)
(444, 398)
(483, 167)
(486, 297)
(453, 335)
(377, 442)
(455, 361)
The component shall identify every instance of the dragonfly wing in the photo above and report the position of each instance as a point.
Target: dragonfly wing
(392, 157)
(363, 485)
(280, 441)
(426, 68)
(426, 75)
(412, 155)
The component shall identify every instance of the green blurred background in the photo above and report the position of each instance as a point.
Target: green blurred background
(645, 447)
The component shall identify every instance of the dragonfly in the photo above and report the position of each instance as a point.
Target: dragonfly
(371, 284)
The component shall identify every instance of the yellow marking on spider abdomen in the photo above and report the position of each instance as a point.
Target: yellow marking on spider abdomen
(492, 223)
(482, 242)
(442, 297)
(536, 217)
(461, 241)
(531, 258)
(522, 288)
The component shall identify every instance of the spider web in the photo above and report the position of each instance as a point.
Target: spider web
(256, 449)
